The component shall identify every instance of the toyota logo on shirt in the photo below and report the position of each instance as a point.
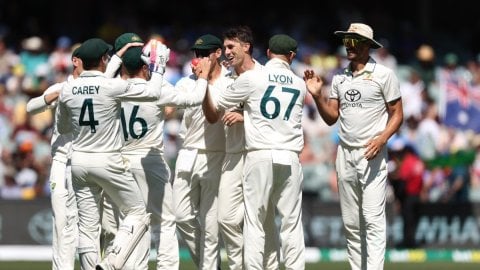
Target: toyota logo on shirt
(352, 95)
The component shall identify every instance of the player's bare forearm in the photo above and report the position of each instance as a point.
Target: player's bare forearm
(395, 112)
(122, 51)
(375, 145)
(327, 108)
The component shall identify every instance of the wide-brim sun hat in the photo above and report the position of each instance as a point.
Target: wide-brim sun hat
(361, 30)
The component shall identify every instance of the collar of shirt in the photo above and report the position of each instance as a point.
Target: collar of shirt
(92, 73)
(136, 80)
(369, 67)
(277, 63)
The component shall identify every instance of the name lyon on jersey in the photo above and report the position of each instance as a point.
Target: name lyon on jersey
(280, 78)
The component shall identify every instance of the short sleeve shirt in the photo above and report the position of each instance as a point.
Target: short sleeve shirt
(363, 102)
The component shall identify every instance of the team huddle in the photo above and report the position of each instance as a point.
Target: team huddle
(237, 172)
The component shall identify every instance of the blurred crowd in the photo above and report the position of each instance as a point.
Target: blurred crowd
(429, 161)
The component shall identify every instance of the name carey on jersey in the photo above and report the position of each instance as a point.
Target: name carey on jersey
(85, 89)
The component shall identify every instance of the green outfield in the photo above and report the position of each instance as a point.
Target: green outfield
(186, 265)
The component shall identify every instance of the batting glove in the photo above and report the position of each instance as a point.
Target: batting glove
(155, 55)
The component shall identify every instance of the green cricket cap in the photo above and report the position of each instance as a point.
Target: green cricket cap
(93, 49)
(126, 38)
(207, 42)
(131, 59)
(282, 44)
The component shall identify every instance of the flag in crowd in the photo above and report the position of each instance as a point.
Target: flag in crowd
(462, 104)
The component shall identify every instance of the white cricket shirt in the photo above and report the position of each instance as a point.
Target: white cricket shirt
(143, 122)
(273, 100)
(199, 134)
(362, 102)
(90, 107)
(235, 134)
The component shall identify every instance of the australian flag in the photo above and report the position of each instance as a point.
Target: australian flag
(462, 104)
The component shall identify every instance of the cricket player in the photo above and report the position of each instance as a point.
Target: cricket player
(90, 107)
(273, 100)
(199, 164)
(64, 205)
(238, 46)
(143, 125)
(366, 99)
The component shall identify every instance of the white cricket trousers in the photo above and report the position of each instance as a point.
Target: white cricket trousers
(93, 173)
(231, 213)
(266, 184)
(64, 209)
(362, 188)
(195, 199)
(153, 177)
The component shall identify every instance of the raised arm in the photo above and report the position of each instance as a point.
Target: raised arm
(171, 97)
(45, 101)
(327, 107)
(116, 61)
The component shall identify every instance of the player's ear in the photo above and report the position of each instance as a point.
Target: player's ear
(219, 52)
(246, 46)
(291, 56)
(146, 71)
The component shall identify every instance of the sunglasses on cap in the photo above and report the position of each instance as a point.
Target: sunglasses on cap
(353, 41)
(203, 53)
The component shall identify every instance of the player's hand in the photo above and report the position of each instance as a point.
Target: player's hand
(226, 63)
(122, 51)
(314, 83)
(230, 118)
(202, 69)
(156, 55)
(373, 147)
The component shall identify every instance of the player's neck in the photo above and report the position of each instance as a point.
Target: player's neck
(247, 64)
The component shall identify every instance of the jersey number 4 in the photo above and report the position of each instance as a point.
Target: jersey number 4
(91, 122)
(267, 97)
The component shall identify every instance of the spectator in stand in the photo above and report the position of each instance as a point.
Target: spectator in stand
(34, 61)
(384, 57)
(411, 172)
(475, 175)
(8, 59)
(60, 59)
(412, 94)
(425, 64)
(458, 184)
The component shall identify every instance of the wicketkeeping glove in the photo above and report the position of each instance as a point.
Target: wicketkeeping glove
(155, 54)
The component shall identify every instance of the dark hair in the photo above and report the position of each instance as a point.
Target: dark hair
(243, 33)
(90, 63)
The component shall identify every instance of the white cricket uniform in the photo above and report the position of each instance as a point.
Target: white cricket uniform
(90, 107)
(230, 198)
(197, 176)
(143, 124)
(362, 184)
(273, 102)
(64, 206)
